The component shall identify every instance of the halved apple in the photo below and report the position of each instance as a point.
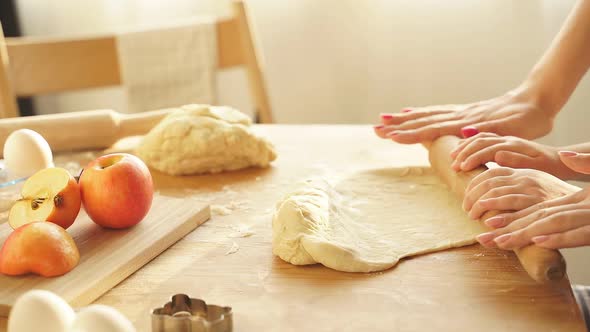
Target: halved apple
(41, 248)
(52, 194)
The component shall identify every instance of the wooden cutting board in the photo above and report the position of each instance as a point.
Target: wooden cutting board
(107, 257)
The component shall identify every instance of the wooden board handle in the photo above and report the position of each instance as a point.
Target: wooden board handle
(86, 130)
(542, 264)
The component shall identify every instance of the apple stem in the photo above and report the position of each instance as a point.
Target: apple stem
(79, 175)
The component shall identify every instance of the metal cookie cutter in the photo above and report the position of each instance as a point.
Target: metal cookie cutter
(185, 314)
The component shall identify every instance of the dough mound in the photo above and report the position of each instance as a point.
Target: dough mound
(198, 139)
(369, 221)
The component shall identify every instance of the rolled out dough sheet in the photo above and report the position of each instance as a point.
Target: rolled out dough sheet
(370, 220)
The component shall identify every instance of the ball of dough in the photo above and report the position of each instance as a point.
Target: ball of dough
(198, 139)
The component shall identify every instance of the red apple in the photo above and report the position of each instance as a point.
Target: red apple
(117, 190)
(41, 248)
(52, 194)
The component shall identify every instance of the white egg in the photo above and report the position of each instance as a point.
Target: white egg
(40, 310)
(26, 152)
(101, 318)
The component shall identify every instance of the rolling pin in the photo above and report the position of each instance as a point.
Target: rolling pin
(543, 265)
(86, 130)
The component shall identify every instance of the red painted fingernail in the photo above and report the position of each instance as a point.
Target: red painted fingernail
(540, 238)
(568, 153)
(469, 131)
(393, 133)
(378, 127)
(502, 238)
(386, 116)
(406, 110)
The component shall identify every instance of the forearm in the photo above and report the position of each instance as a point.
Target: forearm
(558, 72)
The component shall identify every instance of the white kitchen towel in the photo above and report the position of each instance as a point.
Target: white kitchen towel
(169, 66)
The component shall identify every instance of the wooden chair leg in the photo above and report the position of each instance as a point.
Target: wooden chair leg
(254, 71)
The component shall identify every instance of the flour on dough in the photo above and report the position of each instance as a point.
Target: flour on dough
(204, 139)
(368, 221)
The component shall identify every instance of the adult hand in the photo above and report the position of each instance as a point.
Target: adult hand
(517, 113)
(577, 162)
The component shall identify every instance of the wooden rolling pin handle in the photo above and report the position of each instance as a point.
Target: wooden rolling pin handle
(140, 123)
(88, 130)
(543, 265)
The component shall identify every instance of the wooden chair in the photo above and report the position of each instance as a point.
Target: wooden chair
(32, 66)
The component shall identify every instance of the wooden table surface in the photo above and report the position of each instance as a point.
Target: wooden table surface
(465, 289)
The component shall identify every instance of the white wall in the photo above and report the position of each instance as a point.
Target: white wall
(345, 61)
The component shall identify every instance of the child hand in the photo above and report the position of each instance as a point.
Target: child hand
(507, 189)
(562, 222)
(508, 151)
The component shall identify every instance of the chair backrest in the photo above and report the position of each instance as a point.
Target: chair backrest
(32, 66)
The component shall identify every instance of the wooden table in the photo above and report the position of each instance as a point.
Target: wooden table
(465, 289)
